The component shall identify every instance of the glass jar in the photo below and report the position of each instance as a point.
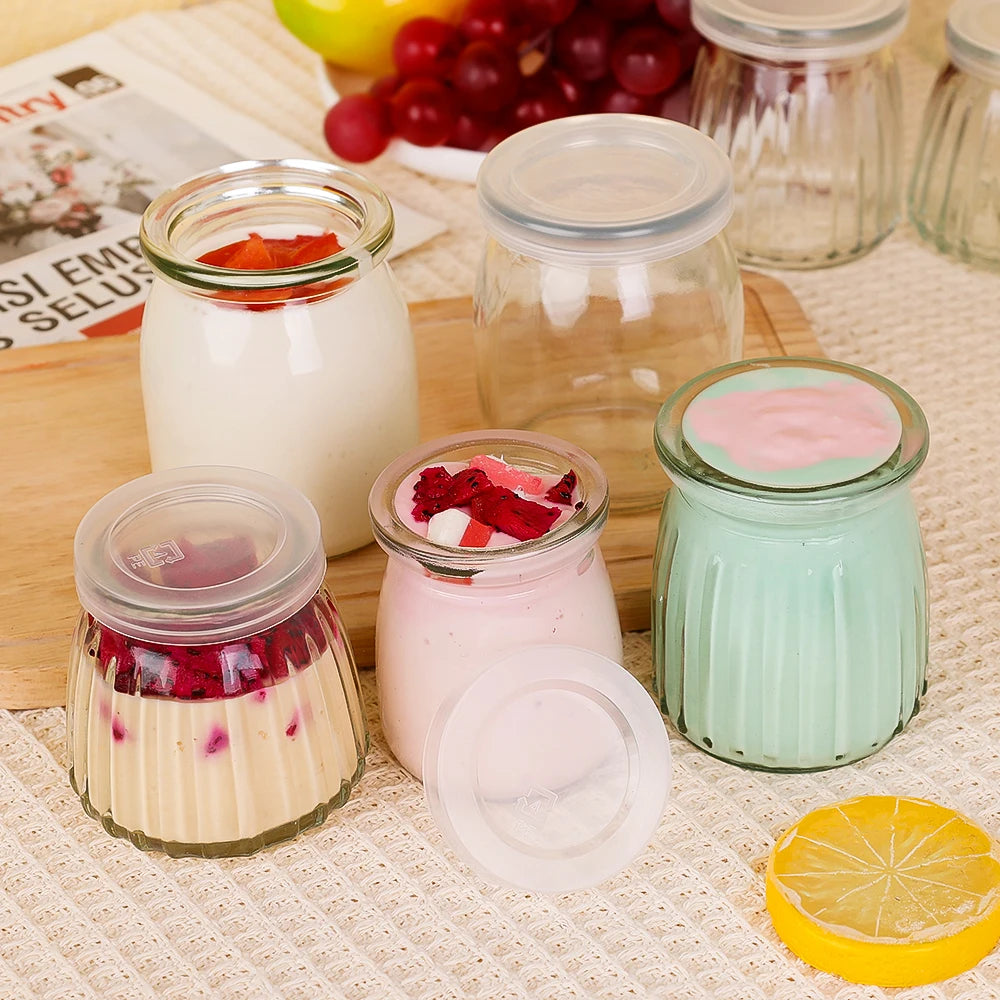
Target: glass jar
(213, 704)
(306, 372)
(789, 603)
(606, 282)
(446, 610)
(804, 97)
(954, 195)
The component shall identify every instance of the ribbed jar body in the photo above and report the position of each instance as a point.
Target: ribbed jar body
(789, 637)
(816, 149)
(954, 193)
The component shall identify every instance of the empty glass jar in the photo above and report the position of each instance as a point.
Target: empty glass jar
(804, 96)
(606, 281)
(789, 605)
(213, 704)
(954, 195)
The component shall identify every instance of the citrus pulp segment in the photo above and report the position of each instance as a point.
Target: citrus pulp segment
(886, 891)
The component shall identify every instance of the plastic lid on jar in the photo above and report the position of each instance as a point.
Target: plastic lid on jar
(800, 30)
(605, 189)
(198, 555)
(972, 35)
(550, 771)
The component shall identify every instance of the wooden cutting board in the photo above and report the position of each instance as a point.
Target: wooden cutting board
(72, 430)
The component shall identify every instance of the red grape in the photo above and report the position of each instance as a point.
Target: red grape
(582, 44)
(541, 101)
(549, 12)
(495, 21)
(385, 86)
(689, 42)
(425, 46)
(358, 127)
(485, 77)
(424, 112)
(608, 96)
(646, 59)
(573, 91)
(478, 132)
(621, 10)
(676, 13)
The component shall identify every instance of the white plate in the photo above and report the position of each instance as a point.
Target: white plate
(436, 161)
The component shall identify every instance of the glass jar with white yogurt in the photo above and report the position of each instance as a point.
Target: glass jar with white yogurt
(492, 539)
(301, 364)
(213, 704)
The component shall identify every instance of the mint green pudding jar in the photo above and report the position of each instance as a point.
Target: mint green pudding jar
(789, 599)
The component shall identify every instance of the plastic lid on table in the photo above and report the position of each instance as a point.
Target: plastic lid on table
(605, 189)
(197, 555)
(972, 35)
(800, 30)
(550, 771)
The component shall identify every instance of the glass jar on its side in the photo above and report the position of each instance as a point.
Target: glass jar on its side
(448, 612)
(307, 371)
(954, 194)
(805, 100)
(789, 604)
(606, 281)
(213, 704)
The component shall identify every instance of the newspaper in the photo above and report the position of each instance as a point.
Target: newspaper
(89, 135)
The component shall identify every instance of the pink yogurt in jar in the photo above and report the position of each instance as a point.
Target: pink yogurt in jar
(493, 546)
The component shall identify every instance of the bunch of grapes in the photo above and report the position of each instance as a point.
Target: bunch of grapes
(509, 64)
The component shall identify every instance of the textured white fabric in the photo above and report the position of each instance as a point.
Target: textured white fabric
(371, 905)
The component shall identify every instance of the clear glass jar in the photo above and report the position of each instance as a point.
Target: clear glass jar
(605, 283)
(954, 194)
(804, 97)
(305, 372)
(789, 603)
(213, 704)
(446, 612)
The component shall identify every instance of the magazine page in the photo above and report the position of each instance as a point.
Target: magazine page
(89, 135)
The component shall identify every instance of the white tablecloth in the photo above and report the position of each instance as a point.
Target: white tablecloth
(372, 905)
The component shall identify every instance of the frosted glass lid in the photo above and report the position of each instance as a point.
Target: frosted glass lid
(973, 37)
(198, 555)
(800, 30)
(605, 189)
(550, 771)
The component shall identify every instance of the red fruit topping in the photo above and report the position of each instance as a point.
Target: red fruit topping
(562, 492)
(433, 493)
(477, 535)
(292, 728)
(117, 731)
(513, 515)
(218, 740)
(502, 474)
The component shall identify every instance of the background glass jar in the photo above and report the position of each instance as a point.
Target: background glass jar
(789, 591)
(447, 612)
(804, 97)
(213, 703)
(306, 372)
(606, 281)
(954, 194)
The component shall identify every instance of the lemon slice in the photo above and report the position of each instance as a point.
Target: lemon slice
(886, 891)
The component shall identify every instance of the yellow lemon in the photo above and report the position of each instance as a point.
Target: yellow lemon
(358, 34)
(886, 891)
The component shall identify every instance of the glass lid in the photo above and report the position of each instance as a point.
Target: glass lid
(973, 37)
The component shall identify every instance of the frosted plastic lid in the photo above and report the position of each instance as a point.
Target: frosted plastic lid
(605, 189)
(800, 30)
(550, 771)
(973, 37)
(198, 555)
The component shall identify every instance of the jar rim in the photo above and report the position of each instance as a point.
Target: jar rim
(682, 461)
(605, 189)
(972, 37)
(543, 452)
(216, 195)
(784, 31)
(252, 544)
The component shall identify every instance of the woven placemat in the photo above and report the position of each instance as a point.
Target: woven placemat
(372, 905)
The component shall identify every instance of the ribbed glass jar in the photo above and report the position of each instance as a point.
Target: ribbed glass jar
(805, 100)
(954, 194)
(447, 612)
(789, 607)
(307, 372)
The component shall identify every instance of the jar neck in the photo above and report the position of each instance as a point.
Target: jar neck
(274, 198)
